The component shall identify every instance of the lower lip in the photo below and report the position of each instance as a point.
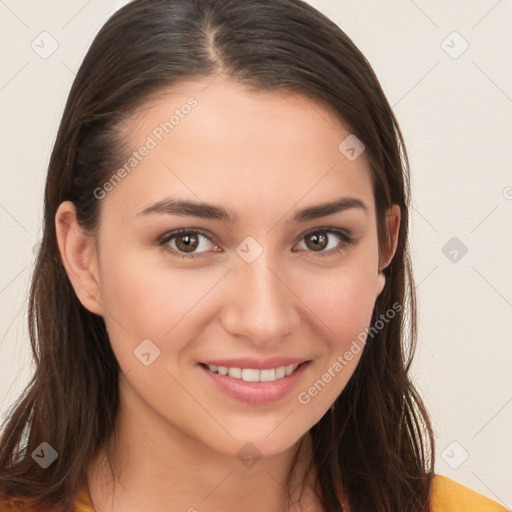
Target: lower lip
(256, 392)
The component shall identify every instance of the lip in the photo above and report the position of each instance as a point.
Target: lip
(256, 364)
(256, 393)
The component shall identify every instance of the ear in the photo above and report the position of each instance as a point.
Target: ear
(79, 257)
(392, 230)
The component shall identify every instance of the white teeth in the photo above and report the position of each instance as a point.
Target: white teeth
(236, 373)
(250, 375)
(280, 372)
(254, 375)
(267, 375)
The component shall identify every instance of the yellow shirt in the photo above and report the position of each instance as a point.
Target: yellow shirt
(450, 496)
(447, 496)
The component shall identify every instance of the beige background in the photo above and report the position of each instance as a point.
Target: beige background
(454, 106)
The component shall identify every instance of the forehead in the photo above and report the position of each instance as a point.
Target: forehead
(220, 142)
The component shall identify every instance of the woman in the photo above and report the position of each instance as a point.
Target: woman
(204, 341)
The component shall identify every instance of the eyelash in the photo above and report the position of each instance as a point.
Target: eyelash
(346, 240)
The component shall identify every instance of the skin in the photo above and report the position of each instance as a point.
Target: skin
(264, 156)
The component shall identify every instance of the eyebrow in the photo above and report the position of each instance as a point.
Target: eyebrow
(217, 212)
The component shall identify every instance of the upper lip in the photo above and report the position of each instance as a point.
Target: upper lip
(257, 364)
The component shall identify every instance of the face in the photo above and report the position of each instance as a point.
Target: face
(259, 282)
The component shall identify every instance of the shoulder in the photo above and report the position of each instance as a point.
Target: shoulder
(447, 496)
(450, 496)
(10, 504)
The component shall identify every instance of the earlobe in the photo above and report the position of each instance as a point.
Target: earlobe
(79, 257)
(381, 282)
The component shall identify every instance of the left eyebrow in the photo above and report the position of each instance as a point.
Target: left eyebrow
(324, 209)
(217, 212)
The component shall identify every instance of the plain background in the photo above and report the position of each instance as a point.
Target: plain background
(454, 107)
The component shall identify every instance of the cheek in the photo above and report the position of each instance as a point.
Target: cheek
(343, 299)
(140, 300)
(145, 299)
(343, 303)
(346, 292)
(349, 305)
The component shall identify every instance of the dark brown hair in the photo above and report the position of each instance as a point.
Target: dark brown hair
(376, 440)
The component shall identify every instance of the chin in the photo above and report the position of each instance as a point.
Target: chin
(248, 445)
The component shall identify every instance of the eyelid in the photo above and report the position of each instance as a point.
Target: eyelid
(164, 239)
(329, 229)
(346, 236)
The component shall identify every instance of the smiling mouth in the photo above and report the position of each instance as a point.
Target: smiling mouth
(254, 375)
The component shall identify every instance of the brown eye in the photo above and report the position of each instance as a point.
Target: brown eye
(327, 242)
(316, 241)
(184, 243)
(187, 243)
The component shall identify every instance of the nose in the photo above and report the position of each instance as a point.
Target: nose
(260, 306)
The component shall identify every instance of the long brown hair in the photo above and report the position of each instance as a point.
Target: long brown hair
(376, 440)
